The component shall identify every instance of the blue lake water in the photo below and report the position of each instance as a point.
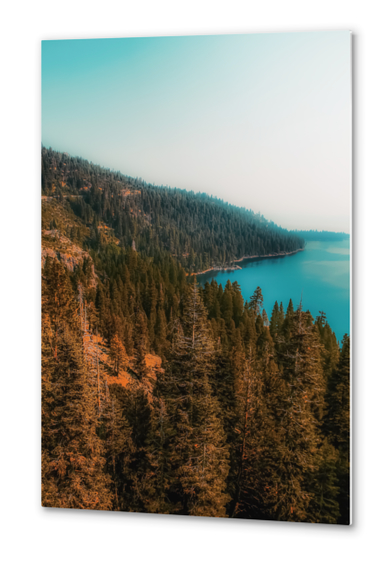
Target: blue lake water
(320, 275)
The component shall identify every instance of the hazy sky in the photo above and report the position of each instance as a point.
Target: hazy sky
(262, 121)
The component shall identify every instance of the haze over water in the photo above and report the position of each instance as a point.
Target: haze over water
(320, 275)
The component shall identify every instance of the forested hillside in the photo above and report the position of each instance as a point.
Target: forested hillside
(198, 230)
(160, 396)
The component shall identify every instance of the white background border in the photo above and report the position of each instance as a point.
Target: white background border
(30, 532)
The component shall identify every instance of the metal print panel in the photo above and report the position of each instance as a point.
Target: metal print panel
(195, 275)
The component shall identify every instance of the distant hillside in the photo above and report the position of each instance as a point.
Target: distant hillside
(320, 235)
(200, 231)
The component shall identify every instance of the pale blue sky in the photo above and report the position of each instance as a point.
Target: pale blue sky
(262, 121)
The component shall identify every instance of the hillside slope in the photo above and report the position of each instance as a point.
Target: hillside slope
(198, 230)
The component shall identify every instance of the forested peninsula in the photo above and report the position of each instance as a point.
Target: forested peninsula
(160, 396)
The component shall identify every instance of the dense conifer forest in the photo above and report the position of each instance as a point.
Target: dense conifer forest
(162, 396)
(198, 230)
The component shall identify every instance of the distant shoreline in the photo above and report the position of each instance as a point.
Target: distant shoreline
(236, 267)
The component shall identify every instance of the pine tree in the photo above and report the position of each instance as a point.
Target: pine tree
(139, 491)
(119, 448)
(238, 303)
(265, 319)
(338, 400)
(337, 425)
(273, 392)
(281, 315)
(197, 450)
(298, 436)
(322, 484)
(141, 345)
(248, 427)
(161, 331)
(118, 355)
(288, 321)
(256, 301)
(274, 323)
(160, 474)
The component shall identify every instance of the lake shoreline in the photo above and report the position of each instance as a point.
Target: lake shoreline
(237, 267)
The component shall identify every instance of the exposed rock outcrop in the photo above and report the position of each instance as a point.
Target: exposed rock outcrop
(57, 246)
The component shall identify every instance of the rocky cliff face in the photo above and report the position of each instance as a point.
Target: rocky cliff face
(59, 247)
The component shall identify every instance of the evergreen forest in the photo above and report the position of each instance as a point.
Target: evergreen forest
(160, 395)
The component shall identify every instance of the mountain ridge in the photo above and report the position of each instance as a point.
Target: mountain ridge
(199, 230)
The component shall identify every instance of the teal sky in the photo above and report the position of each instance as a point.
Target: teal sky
(262, 121)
